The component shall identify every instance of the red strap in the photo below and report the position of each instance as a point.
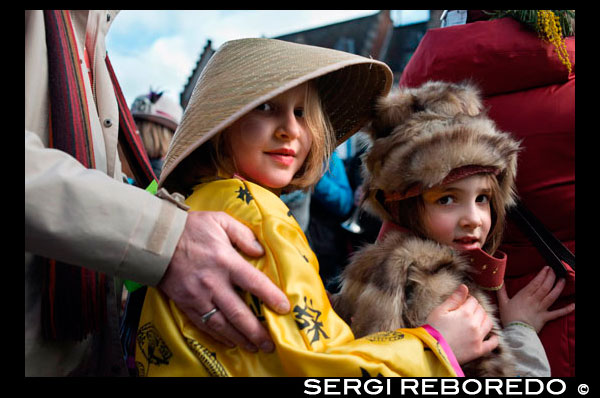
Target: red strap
(68, 310)
(69, 122)
(130, 140)
(86, 56)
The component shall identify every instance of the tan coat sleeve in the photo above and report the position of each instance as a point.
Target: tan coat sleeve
(84, 217)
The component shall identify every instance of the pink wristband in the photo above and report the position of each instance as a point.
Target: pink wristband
(446, 347)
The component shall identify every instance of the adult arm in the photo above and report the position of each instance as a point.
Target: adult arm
(82, 216)
(204, 271)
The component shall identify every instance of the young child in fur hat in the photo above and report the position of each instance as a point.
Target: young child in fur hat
(263, 119)
(441, 177)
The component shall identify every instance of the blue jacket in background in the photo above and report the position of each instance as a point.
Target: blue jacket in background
(333, 190)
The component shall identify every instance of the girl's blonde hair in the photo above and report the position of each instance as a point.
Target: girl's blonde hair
(216, 155)
(409, 214)
(156, 138)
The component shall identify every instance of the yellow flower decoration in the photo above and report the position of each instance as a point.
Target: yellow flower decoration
(551, 25)
(548, 25)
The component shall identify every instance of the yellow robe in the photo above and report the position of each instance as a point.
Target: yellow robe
(311, 340)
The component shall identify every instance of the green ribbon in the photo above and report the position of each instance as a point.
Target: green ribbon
(131, 285)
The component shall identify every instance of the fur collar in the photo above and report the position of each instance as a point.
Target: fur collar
(486, 270)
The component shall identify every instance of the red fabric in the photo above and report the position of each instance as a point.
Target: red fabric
(500, 56)
(529, 93)
(454, 175)
(129, 138)
(488, 271)
(70, 310)
(69, 119)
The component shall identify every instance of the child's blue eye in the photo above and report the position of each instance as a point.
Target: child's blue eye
(299, 112)
(266, 107)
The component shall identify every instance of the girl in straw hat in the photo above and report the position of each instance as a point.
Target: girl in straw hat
(441, 176)
(262, 120)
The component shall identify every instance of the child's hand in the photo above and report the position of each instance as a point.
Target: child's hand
(464, 324)
(530, 305)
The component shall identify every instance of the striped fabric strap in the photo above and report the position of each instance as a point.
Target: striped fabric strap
(73, 298)
(70, 120)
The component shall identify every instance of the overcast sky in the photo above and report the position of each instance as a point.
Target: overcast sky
(159, 49)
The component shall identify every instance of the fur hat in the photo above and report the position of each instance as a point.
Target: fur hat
(244, 73)
(434, 134)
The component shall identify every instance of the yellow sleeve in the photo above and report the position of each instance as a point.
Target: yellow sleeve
(311, 340)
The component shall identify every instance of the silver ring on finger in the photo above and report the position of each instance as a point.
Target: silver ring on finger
(204, 318)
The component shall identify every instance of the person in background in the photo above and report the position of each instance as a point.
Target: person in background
(157, 117)
(299, 204)
(366, 226)
(331, 203)
(527, 76)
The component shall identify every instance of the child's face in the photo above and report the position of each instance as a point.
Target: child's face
(458, 214)
(271, 142)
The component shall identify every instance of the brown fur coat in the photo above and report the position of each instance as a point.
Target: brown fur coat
(397, 282)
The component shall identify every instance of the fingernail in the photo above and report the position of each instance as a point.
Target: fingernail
(267, 346)
(283, 307)
(258, 246)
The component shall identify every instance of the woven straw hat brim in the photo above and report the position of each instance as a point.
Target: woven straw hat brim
(245, 73)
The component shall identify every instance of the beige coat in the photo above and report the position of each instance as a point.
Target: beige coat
(81, 216)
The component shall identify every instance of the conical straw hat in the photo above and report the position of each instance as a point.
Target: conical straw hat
(245, 73)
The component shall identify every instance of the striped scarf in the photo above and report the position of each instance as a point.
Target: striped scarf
(74, 298)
